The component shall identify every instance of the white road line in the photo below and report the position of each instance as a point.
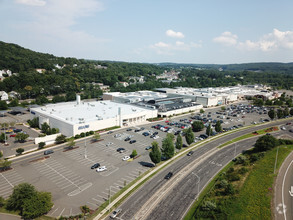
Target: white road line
(283, 189)
(6, 180)
(92, 204)
(99, 201)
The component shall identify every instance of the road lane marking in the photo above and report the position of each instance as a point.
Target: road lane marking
(284, 210)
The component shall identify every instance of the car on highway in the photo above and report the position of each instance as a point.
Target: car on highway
(121, 150)
(190, 153)
(148, 147)
(96, 165)
(126, 158)
(169, 175)
(132, 141)
(115, 213)
(102, 168)
(46, 152)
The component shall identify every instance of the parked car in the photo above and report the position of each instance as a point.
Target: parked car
(148, 147)
(156, 137)
(126, 158)
(169, 175)
(102, 168)
(117, 135)
(129, 129)
(12, 135)
(17, 130)
(127, 139)
(96, 165)
(115, 213)
(108, 144)
(121, 150)
(132, 141)
(110, 132)
(46, 152)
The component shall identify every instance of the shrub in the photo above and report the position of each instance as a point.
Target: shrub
(223, 183)
(2, 201)
(209, 206)
(92, 132)
(82, 134)
(87, 133)
(229, 189)
(42, 145)
(242, 170)
(231, 170)
(233, 177)
(19, 150)
(76, 136)
(241, 159)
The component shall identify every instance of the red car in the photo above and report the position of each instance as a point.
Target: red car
(12, 135)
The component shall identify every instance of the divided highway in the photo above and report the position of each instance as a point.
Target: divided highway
(170, 199)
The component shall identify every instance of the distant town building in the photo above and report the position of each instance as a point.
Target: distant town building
(3, 96)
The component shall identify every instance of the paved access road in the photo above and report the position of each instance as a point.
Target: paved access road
(284, 191)
(134, 206)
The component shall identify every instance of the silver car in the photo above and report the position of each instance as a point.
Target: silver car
(115, 213)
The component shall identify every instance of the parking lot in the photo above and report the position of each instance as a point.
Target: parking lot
(72, 182)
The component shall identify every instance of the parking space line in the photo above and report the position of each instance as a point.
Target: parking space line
(54, 211)
(99, 201)
(61, 212)
(6, 180)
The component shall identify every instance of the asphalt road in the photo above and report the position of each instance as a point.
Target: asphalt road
(284, 191)
(175, 208)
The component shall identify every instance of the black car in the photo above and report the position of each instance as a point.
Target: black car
(132, 141)
(155, 133)
(129, 129)
(121, 150)
(96, 165)
(137, 130)
(127, 139)
(169, 175)
(148, 147)
(190, 153)
(46, 152)
(17, 130)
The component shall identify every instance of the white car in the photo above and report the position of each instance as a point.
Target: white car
(283, 128)
(156, 137)
(108, 144)
(102, 168)
(126, 158)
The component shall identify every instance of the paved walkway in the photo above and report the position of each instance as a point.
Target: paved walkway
(5, 216)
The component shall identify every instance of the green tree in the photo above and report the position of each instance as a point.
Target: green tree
(168, 149)
(258, 102)
(3, 105)
(209, 130)
(218, 126)
(34, 123)
(96, 137)
(133, 154)
(19, 150)
(155, 154)
(223, 108)
(60, 139)
(37, 205)
(179, 142)
(21, 137)
(272, 114)
(291, 111)
(5, 164)
(229, 190)
(70, 144)
(286, 112)
(201, 111)
(280, 113)
(189, 136)
(42, 145)
(197, 126)
(45, 127)
(13, 103)
(3, 137)
(265, 143)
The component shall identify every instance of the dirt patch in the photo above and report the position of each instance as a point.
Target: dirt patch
(39, 159)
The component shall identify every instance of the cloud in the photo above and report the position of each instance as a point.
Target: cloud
(272, 41)
(31, 2)
(171, 33)
(226, 38)
(170, 49)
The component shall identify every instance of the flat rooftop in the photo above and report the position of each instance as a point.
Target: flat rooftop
(73, 113)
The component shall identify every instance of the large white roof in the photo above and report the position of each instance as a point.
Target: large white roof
(73, 113)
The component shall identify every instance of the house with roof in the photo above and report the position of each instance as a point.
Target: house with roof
(3, 96)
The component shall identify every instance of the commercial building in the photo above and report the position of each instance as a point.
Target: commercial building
(72, 118)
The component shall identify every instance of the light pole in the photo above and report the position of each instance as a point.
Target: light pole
(276, 160)
(197, 184)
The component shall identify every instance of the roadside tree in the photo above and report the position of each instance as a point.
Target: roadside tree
(168, 149)
(291, 111)
(218, 126)
(197, 126)
(70, 144)
(42, 145)
(209, 130)
(19, 150)
(189, 136)
(286, 112)
(3, 137)
(265, 143)
(155, 154)
(133, 154)
(272, 114)
(179, 142)
(201, 111)
(280, 113)
(96, 137)
(60, 139)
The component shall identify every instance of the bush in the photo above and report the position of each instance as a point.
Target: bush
(229, 190)
(241, 159)
(134, 154)
(242, 170)
(42, 145)
(2, 201)
(209, 206)
(223, 184)
(92, 132)
(82, 134)
(87, 133)
(231, 170)
(76, 136)
(19, 150)
(233, 177)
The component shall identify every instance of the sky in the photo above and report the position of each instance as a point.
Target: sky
(153, 31)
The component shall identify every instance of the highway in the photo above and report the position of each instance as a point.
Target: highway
(170, 199)
(284, 191)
